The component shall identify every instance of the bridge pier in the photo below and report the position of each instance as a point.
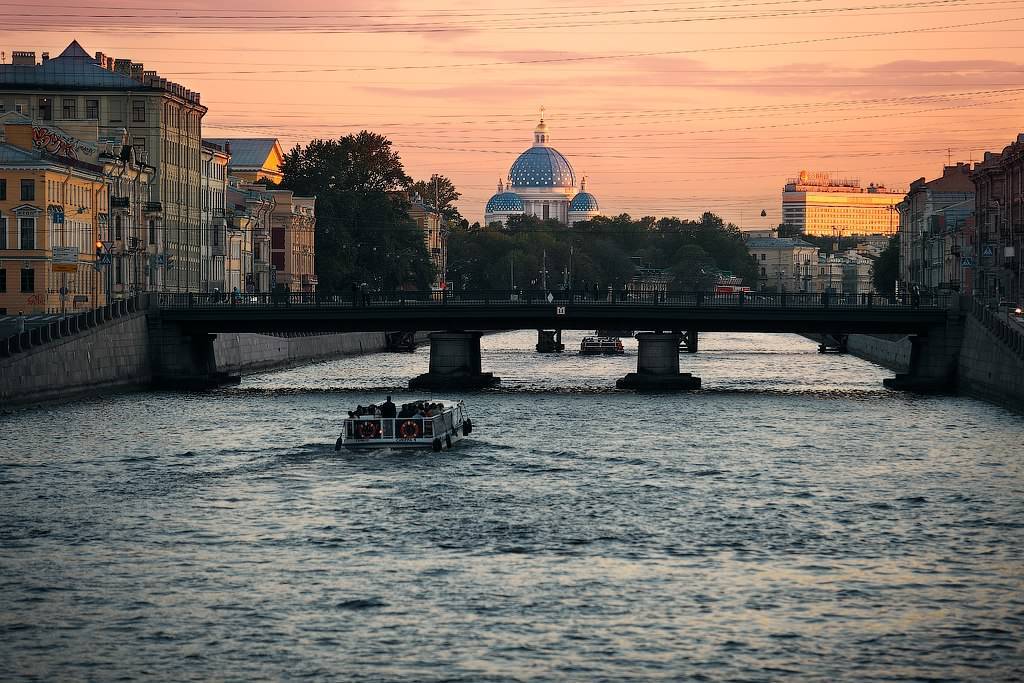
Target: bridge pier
(454, 363)
(657, 365)
(934, 361)
(183, 361)
(549, 341)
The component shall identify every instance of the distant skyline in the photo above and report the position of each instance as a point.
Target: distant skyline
(669, 108)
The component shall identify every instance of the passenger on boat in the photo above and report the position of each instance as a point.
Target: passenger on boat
(387, 409)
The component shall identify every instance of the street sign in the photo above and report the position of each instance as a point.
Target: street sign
(966, 262)
(988, 251)
(108, 245)
(560, 310)
(65, 260)
(105, 260)
(57, 214)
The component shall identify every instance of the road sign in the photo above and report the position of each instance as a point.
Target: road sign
(988, 251)
(105, 260)
(108, 245)
(65, 259)
(966, 262)
(559, 310)
(57, 214)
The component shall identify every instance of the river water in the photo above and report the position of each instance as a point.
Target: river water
(792, 521)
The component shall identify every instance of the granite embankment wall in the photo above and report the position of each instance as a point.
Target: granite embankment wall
(110, 356)
(116, 355)
(989, 367)
(242, 354)
(992, 368)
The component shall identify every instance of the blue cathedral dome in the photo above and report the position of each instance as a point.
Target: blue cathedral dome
(504, 202)
(584, 201)
(542, 167)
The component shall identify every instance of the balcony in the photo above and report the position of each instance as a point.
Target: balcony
(120, 203)
(217, 249)
(153, 208)
(309, 280)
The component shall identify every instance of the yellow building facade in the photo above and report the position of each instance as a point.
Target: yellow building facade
(818, 205)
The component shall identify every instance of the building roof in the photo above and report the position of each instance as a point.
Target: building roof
(584, 202)
(542, 167)
(504, 202)
(777, 243)
(72, 69)
(953, 179)
(12, 154)
(247, 153)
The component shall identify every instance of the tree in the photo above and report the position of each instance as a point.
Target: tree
(440, 193)
(887, 267)
(363, 230)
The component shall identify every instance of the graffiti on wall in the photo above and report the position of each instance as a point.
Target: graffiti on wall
(61, 144)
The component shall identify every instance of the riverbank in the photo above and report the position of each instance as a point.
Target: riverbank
(116, 357)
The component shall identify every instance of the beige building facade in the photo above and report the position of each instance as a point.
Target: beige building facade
(292, 242)
(162, 120)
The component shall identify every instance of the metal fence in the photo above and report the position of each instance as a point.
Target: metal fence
(512, 298)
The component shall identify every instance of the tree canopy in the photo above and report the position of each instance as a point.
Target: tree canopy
(363, 230)
(887, 267)
(600, 252)
(440, 193)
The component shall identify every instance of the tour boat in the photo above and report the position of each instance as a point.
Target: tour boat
(592, 346)
(439, 432)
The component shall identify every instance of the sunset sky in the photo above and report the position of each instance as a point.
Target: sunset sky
(669, 108)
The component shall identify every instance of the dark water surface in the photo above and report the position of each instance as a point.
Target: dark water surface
(793, 521)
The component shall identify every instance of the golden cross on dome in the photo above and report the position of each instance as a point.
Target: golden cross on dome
(542, 112)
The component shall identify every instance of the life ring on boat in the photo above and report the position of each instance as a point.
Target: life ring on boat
(409, 429)
(367, 430)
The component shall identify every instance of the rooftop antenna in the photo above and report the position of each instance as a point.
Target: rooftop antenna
(949, 156)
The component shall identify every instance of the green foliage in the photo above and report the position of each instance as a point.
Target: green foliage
(601, 252)
(887, 267)
(440, 193)
(363, 230)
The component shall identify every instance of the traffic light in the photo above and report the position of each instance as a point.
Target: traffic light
(99, 249)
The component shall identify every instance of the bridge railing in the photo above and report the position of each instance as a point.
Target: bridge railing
(753, 300)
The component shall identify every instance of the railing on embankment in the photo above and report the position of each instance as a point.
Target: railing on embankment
(999, 325)
(67, 326)
(512, 298)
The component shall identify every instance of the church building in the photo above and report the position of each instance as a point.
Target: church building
(542, 183)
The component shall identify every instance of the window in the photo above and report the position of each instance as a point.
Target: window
(3, 280)
(28, 232)
(152, 232)
(92, 109)
(28, 280)
(45, 108)
(69, 108)
(138, 111)
(763, 272)
(3, 232)
(3, 189)
(763, 256)
(117, 227)
(116, 109)
(118, 270)
(21, 106)
(28, 190)
(139, 144)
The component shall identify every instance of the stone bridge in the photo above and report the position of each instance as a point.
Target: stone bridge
(184, 326)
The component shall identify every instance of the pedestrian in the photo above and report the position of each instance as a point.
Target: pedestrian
(387, 409)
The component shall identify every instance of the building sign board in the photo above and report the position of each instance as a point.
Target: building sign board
(65, 259)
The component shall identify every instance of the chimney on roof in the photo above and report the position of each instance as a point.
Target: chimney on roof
(20, 58)
(123, 66)
(1020, 137)
(46, 57)
(137, 70)
(100, 58)
(227, 147)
